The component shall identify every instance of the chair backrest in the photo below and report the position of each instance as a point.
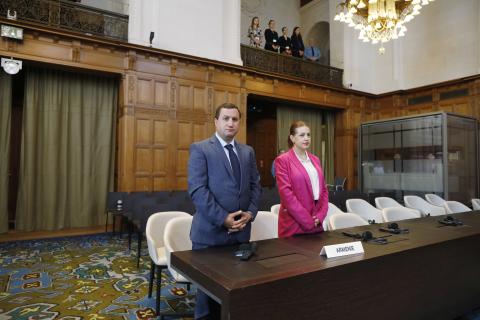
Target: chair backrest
(455, 207)
(386, 202)
(476, 204)
(332, 209)
(346, 220)
(138, 202)
(434, 199)
(399, 213)
(339, 198)
(155, 230)
(265, 226)
(415, 202)
(177, 238)
(161, 197)
(275, 209)
(364, 210)
(340, 183)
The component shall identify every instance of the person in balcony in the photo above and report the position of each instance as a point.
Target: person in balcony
(255, 33)
(312, 53)
(285, 42)
(271, 37)
(298, 48)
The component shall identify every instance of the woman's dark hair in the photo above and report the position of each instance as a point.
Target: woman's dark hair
(293, 128)
(253, 19)
(295, 29)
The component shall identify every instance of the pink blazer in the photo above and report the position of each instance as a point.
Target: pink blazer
(297, 208)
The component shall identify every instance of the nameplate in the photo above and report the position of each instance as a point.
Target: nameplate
(342, 249)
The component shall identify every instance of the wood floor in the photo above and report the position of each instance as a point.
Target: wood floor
(18, 235)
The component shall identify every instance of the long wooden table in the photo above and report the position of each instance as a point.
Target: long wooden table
(431, 273)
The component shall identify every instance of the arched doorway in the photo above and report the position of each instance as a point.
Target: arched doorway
(320, 33)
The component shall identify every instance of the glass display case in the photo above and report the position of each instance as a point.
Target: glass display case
(428, 153)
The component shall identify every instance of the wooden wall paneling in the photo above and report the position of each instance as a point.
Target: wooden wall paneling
(145, 91)
(344, 153)
(191, 71)
(315, 94)
(161, 97)
(151, 133)
(200, 103)
(225, 78)
(336, 99)
(64, 51)
(259, 85)
(160, 154)
(185, 139)
(167, 101)
(153, 66)
(125, 138)
(94, 55)
(152, 144)
(192, 116)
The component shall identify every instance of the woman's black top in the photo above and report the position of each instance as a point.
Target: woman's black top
(297, 45)
(284, 43)
(271, 38)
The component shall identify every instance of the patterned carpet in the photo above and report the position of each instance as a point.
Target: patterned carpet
(86, 277)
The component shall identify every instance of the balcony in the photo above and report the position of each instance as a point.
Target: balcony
(70, 16)
(279, 64)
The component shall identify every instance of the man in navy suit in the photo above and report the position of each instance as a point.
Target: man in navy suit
(224, 185)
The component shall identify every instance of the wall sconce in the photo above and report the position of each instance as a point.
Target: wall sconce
(11, 66)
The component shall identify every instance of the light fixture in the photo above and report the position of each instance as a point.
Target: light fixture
(11, 15)
(12, 32)
(11, 66)
(379, 20)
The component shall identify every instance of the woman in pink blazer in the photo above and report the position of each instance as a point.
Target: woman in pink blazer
(303, 193)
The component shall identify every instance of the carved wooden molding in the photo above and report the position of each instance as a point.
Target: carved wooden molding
(131, 89)
(173, 94)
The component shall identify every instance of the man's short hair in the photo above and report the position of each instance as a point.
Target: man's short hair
(226, 106)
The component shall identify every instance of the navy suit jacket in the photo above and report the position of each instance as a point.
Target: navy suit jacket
(215, 192)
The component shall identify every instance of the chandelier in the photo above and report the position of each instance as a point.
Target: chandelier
(379, 20)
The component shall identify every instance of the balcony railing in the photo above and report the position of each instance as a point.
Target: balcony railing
(286, 65)
(68, 15)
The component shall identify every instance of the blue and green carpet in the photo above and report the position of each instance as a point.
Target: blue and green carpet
(82, 278)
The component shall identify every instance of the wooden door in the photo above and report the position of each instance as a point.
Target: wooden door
(262, 136)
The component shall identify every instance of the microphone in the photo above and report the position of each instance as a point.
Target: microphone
(451, 221)
(366, 236)
(394, 229)
(246, 250)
